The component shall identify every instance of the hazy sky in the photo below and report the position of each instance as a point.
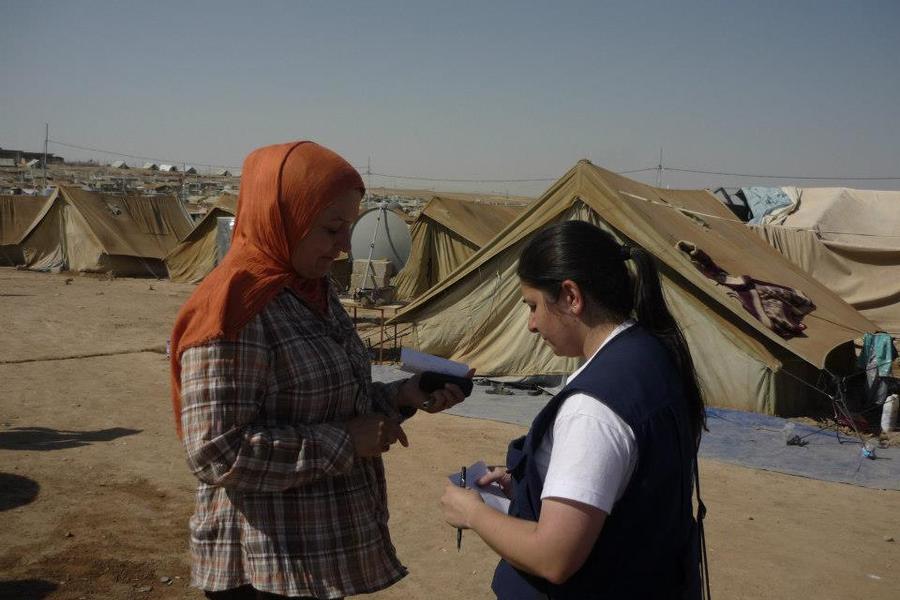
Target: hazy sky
(467, 90)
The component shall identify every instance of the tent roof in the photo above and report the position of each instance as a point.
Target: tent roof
(861, 218)
(656, 219)
(227, 202)
(200, 227)
(478, 222)
(143, 226)
(17, 213)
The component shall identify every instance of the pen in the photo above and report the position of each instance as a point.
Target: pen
(462, 484)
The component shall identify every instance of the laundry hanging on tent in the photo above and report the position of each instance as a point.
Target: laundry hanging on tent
(778, 307)
(875, 358)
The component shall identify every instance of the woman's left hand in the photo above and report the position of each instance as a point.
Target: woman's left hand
(458, 504)
(411, 395)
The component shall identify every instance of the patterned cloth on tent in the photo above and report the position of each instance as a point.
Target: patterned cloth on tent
(778, 307)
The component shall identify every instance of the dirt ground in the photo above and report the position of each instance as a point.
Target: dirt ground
(95, 495)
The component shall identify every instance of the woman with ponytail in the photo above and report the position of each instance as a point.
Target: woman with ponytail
(274, 400)
(601, 486)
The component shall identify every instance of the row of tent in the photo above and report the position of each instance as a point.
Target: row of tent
(463, 293)
(133, 235)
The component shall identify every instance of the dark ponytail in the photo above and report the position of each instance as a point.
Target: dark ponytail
(593, 259)
(653, 314)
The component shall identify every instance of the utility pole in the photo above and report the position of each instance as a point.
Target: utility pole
(46, 139)
(368, 175)
(659, 170)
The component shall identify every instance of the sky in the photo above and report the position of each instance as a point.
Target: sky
(464, 90)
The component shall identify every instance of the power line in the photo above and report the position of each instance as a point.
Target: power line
(513, 180)
(804, 177)
(527, 180)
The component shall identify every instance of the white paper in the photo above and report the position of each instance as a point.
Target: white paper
(417, 362)
(492, 494)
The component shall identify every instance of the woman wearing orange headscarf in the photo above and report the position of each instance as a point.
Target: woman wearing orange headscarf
(274, 400)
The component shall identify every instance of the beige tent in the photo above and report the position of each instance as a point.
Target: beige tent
(476, 316)
(850, 241)
(79, 230)
(193, 259)
(447, 232)
(17, 213)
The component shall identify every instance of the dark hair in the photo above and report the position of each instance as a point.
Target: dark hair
(593, 259)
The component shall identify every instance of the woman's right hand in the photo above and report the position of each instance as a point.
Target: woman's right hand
(373, 434)
(501, 476)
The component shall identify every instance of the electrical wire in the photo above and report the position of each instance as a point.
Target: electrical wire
(367, 171)
(760, 176)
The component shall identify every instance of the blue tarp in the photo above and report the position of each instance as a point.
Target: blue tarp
(743, 438)
(763, 200)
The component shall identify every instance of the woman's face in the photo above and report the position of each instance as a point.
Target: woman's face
(328, 236)
(553, 320)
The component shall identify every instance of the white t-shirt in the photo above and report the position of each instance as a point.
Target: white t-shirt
(590, 453)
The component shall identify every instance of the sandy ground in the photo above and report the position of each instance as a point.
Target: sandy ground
(95, 495)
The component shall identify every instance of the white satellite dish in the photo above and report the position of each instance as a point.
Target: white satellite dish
(381, 234)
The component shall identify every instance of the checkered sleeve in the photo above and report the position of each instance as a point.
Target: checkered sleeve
(222, 387)
(384, 397)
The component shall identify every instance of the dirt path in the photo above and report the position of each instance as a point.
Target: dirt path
(95, 496)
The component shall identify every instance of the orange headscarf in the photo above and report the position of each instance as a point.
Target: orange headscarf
(283, 189)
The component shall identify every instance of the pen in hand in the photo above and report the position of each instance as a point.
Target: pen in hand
(462, 484)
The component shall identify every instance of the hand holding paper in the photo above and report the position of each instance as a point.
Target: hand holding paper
(492, 494)
(428, 390)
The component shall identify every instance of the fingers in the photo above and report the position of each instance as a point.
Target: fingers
(373, 435)
(491, 476)
(401, 437)
(391, 432)
(443, 399)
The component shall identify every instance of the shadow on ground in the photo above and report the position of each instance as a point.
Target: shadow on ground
(32, 589)
(44, 438)
(16, 491)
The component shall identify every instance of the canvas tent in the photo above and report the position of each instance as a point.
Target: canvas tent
(79, 230)
(447, 232)
(17, 213)
(192, 259)
(850, 241)
(476, 315)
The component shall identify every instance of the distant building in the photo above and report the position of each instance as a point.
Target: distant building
(7, 162)
(223, 173)
(119, 164)
(168, 168)
(34, 163)
(20, 156)
(190, 170)
(151, 165)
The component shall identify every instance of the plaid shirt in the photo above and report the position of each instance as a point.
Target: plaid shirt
(283, 504)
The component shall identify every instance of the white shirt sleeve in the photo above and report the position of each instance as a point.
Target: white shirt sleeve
(592, 454)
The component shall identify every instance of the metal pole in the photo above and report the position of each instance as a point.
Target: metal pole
(369, 267)
(659, 170)
(46, 137)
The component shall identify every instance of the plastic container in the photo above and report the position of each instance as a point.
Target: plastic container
(789, 434)
(889, 413)
(868, 449)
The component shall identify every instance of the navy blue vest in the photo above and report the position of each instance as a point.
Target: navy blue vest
(648, 547)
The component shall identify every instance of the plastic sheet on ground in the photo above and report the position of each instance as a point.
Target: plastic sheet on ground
(743, 438)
